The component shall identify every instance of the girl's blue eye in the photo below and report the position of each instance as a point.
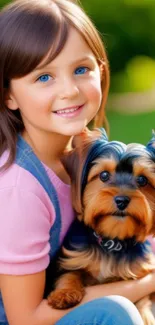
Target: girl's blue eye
(81, 70)
(44, 78)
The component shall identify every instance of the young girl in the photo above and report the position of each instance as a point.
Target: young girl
(53, 82)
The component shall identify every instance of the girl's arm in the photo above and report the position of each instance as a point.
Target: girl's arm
(22, 296)
(133, 290)
(23, 303)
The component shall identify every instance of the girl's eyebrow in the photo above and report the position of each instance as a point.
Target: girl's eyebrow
(90, 58)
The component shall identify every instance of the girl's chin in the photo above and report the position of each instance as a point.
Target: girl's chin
(75, 129)
(74, 132)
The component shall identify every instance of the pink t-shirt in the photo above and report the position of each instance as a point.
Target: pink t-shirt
(26, 217)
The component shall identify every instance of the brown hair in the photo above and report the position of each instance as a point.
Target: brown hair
(29, 30)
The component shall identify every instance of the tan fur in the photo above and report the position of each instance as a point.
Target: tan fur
(144, 307)
(106, 164)
(101, 202)
(105, 267)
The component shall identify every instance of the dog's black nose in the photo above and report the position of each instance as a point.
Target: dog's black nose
(122, 202)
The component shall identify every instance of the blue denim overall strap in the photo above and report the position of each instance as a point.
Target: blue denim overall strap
(3, 319)
(26, 159)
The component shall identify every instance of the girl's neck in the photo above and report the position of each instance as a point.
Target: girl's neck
(49, 148)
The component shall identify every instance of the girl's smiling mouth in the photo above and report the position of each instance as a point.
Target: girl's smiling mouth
(69, 111)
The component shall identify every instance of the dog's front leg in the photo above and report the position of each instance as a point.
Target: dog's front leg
(68, 292)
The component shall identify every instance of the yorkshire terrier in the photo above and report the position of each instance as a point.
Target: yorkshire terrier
(113, 191)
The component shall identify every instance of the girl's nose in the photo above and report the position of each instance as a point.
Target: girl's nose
(69, 89)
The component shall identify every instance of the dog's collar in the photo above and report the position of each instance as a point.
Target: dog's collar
(114, 245)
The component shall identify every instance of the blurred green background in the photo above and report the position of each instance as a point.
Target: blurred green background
(128, 31)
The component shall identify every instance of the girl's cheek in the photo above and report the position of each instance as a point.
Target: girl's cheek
(94, 90)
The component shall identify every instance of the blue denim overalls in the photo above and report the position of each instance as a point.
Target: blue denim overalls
(26, 159)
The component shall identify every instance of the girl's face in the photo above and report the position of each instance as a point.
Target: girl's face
(63, 96)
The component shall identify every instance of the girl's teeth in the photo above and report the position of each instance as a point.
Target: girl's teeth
(70, 110)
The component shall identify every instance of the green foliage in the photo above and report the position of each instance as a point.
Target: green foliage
(131, 128)
(3, 2)
(127, 27)
(138, 76)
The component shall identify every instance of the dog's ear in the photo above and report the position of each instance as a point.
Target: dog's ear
(74, 161)
(80, 145)
(151, 145)
(88, 136)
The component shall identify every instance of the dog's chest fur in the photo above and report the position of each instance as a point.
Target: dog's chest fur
(100, 260)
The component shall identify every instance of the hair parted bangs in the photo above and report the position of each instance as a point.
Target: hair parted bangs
(31, 35)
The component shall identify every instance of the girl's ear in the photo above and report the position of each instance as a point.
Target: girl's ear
(10, 101)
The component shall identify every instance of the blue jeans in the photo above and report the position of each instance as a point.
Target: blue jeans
(112, 310)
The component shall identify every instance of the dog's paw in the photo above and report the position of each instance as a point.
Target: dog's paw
(65, 298)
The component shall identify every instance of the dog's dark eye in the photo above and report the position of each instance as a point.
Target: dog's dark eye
(104, 176)
(142, 180)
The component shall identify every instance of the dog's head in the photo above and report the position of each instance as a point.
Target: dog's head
(113, 185)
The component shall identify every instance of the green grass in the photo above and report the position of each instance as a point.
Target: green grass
(131, 128)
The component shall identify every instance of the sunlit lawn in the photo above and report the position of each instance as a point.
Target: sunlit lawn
(131, 128)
